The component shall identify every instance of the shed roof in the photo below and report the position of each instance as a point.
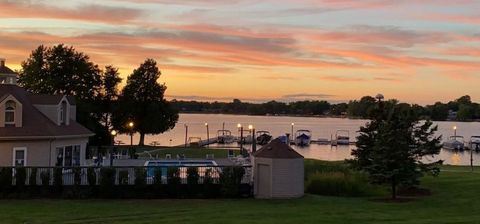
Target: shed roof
(277, 149)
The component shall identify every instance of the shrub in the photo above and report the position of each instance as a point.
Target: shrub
(45, 177)
(57, 178)
(77, 176)
(173, 175)
(140, 177)
(20, 177)
(157, 176)
(5, 180)
(32, 181)
(91, 176)
(123, 177)
(192, 175)
(107, 181)
(313, 166)
(207, 178)
(350, 184)
(230, 180)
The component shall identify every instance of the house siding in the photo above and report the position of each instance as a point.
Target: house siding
(287, 178)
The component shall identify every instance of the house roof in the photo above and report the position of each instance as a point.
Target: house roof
(277, 149)
(6, 70)
(35, 124)
(43, 99)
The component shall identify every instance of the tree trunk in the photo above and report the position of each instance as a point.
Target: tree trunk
(142, 139)
(394, 188)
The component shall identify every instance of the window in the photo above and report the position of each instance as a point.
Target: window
(68, 156)
(63, 113)
(19, 156)
(10, 112)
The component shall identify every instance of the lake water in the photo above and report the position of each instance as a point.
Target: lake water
(320, 127)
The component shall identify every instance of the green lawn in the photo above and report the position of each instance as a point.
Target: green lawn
(455, 199)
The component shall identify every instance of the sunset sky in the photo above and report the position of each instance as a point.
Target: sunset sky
(336, 50)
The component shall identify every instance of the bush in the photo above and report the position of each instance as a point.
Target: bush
(5, 180)
(45, 177)
(313, 166)
(173, 175)
(20, 177)
(107, 181)
(91, 177)
(140, 177)
(123, 177)
(350, 184)
(77, 176)
(157, 177)
(32, 181)
(230, 180)
(192, 175)
(58, 178)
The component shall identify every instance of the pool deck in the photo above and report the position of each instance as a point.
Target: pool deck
(141, 162)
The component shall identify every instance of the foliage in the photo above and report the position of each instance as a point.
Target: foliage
(390, 148)
(20, 176)
(77, 176)
(173, 175)
(230, 180)
(45, 177)
(351, 184)
(157, 176)
(91, 176)
(140, 177)
(32, 181)
(58, 178)
(5, 179)
(107, 181)
(123, 177)
(192, 175)
(142, 101)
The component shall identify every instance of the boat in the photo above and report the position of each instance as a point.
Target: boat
(454, 144)
(195, 141)
(283, 139)
(263, 137)
(225, 137)
(474, 143)
(342, 137)
(303, 137)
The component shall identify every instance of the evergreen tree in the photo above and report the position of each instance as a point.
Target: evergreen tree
(390, 148)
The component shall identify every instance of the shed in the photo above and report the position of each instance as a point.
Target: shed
(278, 171)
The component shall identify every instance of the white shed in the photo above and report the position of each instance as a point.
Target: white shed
(278, 171)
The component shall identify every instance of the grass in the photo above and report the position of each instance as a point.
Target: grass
(454, 200)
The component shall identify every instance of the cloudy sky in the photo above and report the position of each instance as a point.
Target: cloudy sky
(415, 51)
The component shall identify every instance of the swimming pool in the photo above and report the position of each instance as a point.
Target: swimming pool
(202, 165)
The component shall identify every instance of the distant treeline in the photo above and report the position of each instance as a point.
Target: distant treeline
(462, 109)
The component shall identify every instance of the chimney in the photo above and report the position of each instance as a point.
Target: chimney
(2, 62)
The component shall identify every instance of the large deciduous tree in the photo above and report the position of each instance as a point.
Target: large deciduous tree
(142, 102)
(390, 148)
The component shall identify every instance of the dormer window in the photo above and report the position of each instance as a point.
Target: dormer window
(10, 112)
(63, 113)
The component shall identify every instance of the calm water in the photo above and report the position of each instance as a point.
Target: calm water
(320, 127)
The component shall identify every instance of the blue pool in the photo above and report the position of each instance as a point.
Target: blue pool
(164, 164)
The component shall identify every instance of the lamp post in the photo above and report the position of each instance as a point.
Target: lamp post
(293, 124)
(130, 126)
(186, 134)
(208, 134)
(239, 126)
(455, 132)
(113, 133)
(254, 140)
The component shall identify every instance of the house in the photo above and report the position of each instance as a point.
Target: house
(38, 130)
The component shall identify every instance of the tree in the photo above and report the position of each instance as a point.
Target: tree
(142, 102)
(390, 148)
(108, 97)
(60, 70)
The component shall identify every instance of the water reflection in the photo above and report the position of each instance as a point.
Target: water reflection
(320, 127)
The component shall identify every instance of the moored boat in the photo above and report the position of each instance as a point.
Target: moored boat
(303, 137)
(342, 137)
(474, 143)
(454, 143)
(225, 137)
(263, 137)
